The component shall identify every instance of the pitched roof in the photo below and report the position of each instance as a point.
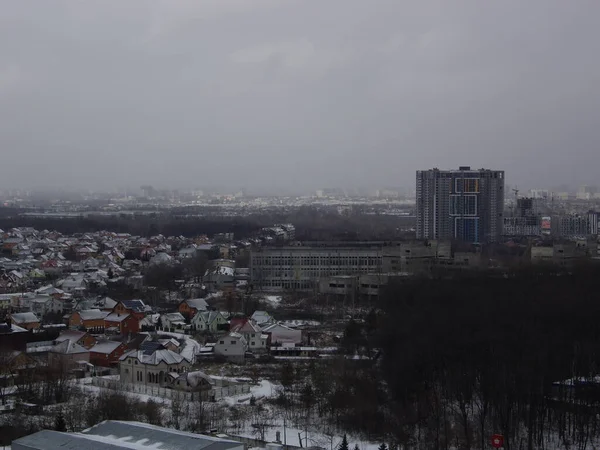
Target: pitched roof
(26, 317)
(105, 347)
(92, 314)
(115, 435)
(134, 305)
(246, 327)
(156, 357)
(115, 317)
(197, 303)
(68, 347)
(73, 335)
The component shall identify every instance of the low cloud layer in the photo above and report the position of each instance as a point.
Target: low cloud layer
(296, 93)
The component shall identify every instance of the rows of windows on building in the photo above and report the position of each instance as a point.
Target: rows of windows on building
(461, 204)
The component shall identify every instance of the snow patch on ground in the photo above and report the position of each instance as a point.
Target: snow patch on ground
(273, 300)
(264, 389)
(301, 323)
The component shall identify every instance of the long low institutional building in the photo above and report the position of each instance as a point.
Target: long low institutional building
(309, 266)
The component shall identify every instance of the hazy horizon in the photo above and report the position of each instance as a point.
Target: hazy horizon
(296, 94)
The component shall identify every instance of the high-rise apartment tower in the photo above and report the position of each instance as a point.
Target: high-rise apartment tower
(464, 204)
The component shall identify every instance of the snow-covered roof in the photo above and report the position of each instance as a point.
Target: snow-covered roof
(105, 347)
(197, 303)
(278, 325)
(115, 317)
(194, 379)
(68, 347)
(163, 355)
(124, 435)
(261, 317)
(26, 317)
(70, 335)
(92, 314)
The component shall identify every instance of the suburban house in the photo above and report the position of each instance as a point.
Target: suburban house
(233, 347)
(281, 334)
(151, 364)
(107, 353)
(106, 304)
(135, 307)
(191, 307)
(90, 319)
(121, 323)
(211, 321)
(256, 340)
(82, 338)
(262, 318)
(67, 354)
(45, 304)
(172, 320)
(221, 277)
(26, 320)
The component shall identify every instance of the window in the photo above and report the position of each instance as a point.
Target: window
(136, 362)
(221, 342)
(232, 342)
(252, 343)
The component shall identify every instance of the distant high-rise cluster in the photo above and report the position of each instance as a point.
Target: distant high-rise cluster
(464, 204)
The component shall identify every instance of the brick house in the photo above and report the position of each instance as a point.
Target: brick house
(123, 323)
(107, 353)
(26, 320)
(88, 319)
(137, 308)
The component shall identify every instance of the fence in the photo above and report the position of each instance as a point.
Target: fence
(216, 393)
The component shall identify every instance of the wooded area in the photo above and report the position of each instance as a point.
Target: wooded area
(479, 354)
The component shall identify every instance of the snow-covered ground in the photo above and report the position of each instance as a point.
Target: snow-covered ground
(273, 300)
(264, 389)
(309, 437)
(301, 323)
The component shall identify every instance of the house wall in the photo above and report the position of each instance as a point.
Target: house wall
(186, 311)
(231, 348)
(107, 360)
(255, 342)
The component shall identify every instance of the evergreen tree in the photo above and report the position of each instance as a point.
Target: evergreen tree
(356, 447)
(383, 447)
(59, 423)
(344, 444)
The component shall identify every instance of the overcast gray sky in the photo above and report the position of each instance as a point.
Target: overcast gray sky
(303, 93)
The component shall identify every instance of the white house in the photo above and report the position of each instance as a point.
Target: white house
(208, 321)
(256, 339)
(280, 334)
(43, 305)
(233, 347)
(172, 320)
